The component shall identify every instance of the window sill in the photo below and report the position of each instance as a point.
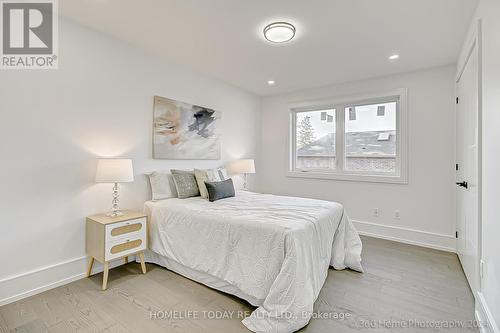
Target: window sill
(396, 179)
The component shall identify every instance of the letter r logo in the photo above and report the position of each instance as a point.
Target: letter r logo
(27, 27)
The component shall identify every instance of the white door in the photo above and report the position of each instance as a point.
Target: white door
(467, 169)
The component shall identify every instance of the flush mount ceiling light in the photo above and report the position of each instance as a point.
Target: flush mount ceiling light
(279, 32)
(394, 57)
(271, 82)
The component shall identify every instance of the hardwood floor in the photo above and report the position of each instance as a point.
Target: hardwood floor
(403, 284)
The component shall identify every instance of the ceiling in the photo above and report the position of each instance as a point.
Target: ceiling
(336, 41)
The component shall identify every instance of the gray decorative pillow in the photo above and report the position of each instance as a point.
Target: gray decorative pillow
(220, 190)
(185, 183)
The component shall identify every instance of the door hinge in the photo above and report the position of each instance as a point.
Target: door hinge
(456, 167)
(456, 234)
(457, 100)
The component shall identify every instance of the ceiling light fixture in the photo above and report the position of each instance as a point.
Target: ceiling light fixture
(394, 57)
(279, 32)
(271, 82)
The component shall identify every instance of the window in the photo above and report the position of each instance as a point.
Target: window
(370, 140)
(360, 138)
(315, 140)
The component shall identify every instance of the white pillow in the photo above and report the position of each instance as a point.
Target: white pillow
(209, 175)
(162, 186)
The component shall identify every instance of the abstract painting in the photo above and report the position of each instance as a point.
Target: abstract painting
(183, 131)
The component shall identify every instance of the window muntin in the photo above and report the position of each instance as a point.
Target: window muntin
(385, 154)
(315, 140)
(352, 114)
(381, 110)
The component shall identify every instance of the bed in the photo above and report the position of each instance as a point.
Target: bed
(272, 251)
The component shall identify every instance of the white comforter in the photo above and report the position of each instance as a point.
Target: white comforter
(274, 248)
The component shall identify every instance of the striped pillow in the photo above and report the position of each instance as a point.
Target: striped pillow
(210, 175)
(217, 175)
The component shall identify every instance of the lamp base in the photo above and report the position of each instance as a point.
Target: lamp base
(115, 210)
(115, 213)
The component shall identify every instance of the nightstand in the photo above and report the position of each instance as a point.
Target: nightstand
(111, 238)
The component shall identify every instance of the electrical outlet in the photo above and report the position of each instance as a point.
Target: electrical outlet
(376, 212)
(397, 214)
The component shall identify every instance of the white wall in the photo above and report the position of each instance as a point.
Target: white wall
(53, 126)
(426, 204)
(488, 302)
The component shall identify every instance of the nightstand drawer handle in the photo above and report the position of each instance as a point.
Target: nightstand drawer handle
(129, 245)
(126, 229)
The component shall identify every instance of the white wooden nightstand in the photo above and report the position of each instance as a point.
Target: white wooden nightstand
(111, 238)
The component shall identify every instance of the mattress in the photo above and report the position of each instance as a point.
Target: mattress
(273, 251)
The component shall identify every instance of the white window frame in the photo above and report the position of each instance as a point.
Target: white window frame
(340, 104)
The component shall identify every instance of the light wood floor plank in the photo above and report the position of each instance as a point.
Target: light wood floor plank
(118, 328)
(49, 307)
(18, 314)
(82, 308)
(35, 326)
(3, 325)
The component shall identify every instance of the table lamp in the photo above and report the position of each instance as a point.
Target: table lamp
(114, 171)
(242, 167)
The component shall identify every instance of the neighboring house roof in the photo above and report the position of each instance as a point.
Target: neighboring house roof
(375, 143)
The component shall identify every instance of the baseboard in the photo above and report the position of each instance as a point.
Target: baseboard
(484, 316)
(30, 283)
(407, 235)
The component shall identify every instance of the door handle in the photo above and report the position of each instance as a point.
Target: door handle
(463, 184)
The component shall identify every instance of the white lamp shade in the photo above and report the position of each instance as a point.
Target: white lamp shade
(114, 171)
(241, 166)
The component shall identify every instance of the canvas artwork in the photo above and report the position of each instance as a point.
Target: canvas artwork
(185, 131)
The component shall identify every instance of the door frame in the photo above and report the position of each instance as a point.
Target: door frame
(474, 44)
